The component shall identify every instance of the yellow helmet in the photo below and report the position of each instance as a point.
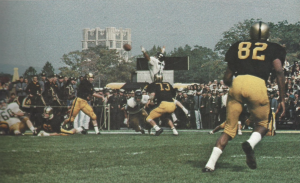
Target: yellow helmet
(89, 75)
(158, 77)
(259, 31)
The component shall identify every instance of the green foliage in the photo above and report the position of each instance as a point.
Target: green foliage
(104, 63)
(48, 69)
(282, 33)
(29, 73)
(145, 158)
(287, 35)
(204, 65)
(72, 61)
(238, 32)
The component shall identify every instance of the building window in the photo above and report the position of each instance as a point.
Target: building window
(118, 44)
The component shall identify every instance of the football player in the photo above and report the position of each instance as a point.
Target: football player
(13, 121)
(135, 105)
(49, 124)
(253, 61)
(85, 93)
(222, 126)
(164, 93)
(156, 63)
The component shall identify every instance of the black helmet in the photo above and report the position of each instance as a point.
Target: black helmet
(138, 94)
(160, 56)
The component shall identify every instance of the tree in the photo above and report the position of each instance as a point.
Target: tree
(238, 32)
(204, 65)
(72, 63)
(29, 73)
(287, 35)
(48, 69)
(282, 33)
(106, 64)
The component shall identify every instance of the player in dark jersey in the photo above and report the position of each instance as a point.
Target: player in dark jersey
(85, 93)
(253, 61)
(49, 124)
(164, 93)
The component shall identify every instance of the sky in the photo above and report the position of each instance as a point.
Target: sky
(33, 32)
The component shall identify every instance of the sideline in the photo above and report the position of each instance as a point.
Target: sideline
(131, 131)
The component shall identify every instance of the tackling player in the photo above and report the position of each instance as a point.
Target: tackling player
(253, 61)
(13, 120)
(164, 92)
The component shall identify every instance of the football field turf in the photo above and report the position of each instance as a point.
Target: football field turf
(131, 158)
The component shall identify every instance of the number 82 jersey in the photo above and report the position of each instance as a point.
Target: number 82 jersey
(254, 57)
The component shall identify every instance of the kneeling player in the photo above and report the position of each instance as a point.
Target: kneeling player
(13, 120)
(50, 124)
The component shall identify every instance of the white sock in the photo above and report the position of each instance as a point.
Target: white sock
(216, 153)
(156, 128)
(31, 128)
(78, 130)
(46, 134)
(174, 117)
(17, 132)
(254, 139)
(96, 129)
(174, 131)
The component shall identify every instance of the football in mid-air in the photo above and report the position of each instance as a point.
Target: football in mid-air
(127, 47)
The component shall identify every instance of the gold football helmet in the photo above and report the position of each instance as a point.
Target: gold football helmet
(48, 112)
(89, 75)
(158, 77)
(259, 31)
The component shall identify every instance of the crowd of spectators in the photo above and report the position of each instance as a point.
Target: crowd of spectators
(206, 102)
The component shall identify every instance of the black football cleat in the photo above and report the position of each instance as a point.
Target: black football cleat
(35, 133)
(142, 131)
(157, 133)
(84, 131)
(207, 170)
(176, 122)
(98, 133)
(251, 162)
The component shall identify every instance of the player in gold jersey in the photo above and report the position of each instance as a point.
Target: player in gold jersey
(253, 61)
(164, 93)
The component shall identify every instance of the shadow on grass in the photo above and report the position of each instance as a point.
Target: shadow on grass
(219, 166)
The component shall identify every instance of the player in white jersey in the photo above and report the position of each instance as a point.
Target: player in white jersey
(13, 120)
(135, 113)
(156, 64)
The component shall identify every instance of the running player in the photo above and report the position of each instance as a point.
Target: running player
(253, 61)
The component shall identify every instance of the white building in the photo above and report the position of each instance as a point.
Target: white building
(110, 37)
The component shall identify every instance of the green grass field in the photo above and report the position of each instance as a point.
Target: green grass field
(144, 158)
